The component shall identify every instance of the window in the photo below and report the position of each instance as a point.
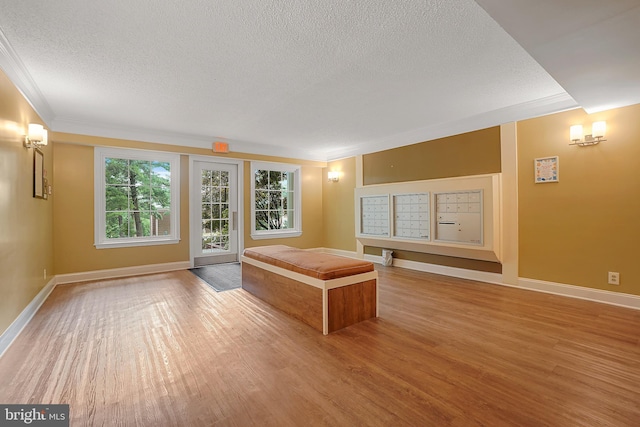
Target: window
(136, 198)
(275, 201)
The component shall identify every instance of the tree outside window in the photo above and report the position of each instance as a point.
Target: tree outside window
(136, 197)
(275, 200)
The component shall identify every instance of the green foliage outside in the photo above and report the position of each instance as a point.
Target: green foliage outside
(273, 200)
(137, 198)
(215, 210)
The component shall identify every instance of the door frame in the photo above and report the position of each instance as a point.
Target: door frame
(193, 200)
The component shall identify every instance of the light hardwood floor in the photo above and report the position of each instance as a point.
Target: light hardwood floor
(167, 350)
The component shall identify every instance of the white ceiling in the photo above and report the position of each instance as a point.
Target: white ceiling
(315, 79)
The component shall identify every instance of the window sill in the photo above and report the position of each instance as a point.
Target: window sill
(129, 243)
(276, 235)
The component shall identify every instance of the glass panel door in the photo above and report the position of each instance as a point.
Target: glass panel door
(215, 220)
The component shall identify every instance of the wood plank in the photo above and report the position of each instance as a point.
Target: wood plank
(165, 349)
(299, 300)
(351, 304)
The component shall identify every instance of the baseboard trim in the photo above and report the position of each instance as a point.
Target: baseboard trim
(12, 332)
(376, 259)
(580, 292)
(561, 289)
(462, 273)
(348, 254)
(121, 272)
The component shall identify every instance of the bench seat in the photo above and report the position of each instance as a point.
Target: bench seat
(328, 292)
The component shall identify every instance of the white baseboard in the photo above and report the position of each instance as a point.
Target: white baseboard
(376, 259)
(12, 332)
(30, 310)
(462, 273)
(348, 254)
(572, 291)
(580, 292)
(597, 295)
(121, 272)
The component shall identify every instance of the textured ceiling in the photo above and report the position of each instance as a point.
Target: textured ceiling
(317, 79)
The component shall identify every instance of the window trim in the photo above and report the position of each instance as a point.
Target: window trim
(297, 203)
(100, 239)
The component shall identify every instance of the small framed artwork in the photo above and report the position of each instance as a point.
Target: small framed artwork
(546, 169)
(38, 174)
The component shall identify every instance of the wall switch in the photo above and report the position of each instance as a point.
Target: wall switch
(614, 278)
(45, 274)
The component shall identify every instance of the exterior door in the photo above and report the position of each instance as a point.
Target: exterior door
(214, 222)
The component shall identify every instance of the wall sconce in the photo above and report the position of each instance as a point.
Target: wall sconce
(37, 136)
(333, 176)
(598, 131)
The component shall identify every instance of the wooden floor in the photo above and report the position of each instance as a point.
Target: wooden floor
(167, 350)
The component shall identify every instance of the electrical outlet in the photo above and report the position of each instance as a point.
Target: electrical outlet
(45, 274)
(614, 278)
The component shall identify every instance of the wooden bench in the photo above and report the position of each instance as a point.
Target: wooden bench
(327, 292)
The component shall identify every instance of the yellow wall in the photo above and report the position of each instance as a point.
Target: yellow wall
(26, 223)
(73, 211)
(74, 219)
(338, 209)
(578, 229)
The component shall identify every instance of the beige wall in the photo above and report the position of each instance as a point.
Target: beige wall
(578, 229)
(338, 209)
(26, 223)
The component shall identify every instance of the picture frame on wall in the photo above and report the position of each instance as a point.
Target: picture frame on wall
(547, 169)
(38, 174)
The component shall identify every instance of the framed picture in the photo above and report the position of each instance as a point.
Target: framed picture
(546, 169)
(38, 174)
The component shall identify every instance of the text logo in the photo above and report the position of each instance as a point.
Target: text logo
(34, 415)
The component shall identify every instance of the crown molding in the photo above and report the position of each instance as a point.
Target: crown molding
(15, 69)
(526, 110)
(65, 125)
(540, 107)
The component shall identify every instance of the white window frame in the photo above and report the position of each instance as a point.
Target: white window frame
(101, 241)
(297, 202)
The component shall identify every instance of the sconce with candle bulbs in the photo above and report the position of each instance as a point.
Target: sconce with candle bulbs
(598, 131)
(37, 136)
(333, 176)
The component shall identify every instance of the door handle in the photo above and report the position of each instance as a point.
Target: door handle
(234, 220)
